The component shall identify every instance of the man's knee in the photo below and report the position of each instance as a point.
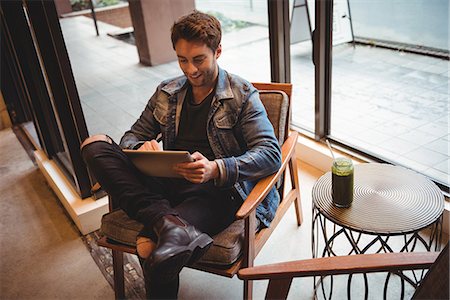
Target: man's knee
(94, 145)
(96, 138)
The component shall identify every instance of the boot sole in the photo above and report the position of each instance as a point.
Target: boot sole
(167, 269)
(200, 247)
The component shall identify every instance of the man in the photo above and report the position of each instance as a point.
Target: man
(216, 116)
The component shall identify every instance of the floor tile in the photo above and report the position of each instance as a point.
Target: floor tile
(440, 68)
(398, 145)
(425, 156)
(393, 128)
(442, 146)
(434, 128)
(411, 164)
(411, 122)
(443, 166)
(435, 96)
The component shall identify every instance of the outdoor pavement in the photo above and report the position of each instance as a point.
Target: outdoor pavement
(389, 103)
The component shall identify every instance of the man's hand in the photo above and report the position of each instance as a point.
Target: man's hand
(150, 146)
(199, 171)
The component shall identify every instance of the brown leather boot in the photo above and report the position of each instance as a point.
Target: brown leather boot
(178, 244)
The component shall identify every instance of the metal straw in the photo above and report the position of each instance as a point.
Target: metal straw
(331, 151)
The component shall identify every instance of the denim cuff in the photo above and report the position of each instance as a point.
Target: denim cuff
(231, 171)
(222, 173)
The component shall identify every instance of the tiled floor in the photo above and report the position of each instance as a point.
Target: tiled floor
(389, 103)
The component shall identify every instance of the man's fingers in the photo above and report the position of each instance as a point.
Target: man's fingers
(198, 171)
(150, 146)
(197, 156)
(186, 171)
(191, 165)
(195, 178)
(155, 145)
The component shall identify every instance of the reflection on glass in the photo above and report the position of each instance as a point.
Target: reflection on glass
(386, 101)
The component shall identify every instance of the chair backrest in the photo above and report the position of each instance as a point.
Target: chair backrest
(435, 285)
(276, 100)
(277, 105)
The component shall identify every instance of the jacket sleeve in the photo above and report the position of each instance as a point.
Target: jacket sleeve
(146, 128)
(263, 154)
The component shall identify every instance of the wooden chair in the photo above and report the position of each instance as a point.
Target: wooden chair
(276, 99)
(435, 284)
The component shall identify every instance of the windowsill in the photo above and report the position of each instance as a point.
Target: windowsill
(85, 213)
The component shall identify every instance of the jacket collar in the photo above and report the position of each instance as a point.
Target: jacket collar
(173, 86)
(223, 89)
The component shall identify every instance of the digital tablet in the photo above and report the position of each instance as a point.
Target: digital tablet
(158, 163)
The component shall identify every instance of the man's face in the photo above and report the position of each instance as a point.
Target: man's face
(198, 62)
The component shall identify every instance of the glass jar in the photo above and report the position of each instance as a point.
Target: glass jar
(342, 182)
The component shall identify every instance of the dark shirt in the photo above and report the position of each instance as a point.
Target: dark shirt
(192, 134)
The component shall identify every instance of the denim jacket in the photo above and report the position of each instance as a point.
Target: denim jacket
(238, 129)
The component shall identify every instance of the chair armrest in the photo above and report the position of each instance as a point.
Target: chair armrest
(361, 263)
(262, 188)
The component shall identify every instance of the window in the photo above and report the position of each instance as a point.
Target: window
(386, 100)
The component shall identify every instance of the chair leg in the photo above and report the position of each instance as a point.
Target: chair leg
(248, 289)
(249, 251)
(119, 286)
(278, 288)
(295, 185)
(298, 210)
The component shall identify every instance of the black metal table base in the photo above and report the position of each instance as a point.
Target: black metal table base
(328, 240)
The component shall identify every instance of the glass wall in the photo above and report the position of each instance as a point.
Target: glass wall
(419, 23)
(302, 66)
(245, 40)
(40, 78)
(390, 103)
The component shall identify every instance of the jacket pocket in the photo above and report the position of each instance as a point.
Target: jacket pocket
(223, 121)
(225, 133)
(160, 113)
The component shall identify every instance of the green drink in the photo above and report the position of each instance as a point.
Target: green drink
(342, 182)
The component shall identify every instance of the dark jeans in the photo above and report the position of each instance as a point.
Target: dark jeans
(146, 199)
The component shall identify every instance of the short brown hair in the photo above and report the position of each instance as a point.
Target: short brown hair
(198, 27)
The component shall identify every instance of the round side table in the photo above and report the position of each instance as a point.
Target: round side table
(389, 201)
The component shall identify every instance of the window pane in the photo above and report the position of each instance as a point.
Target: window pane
(245, 36)
(302, 69)
(389, 102)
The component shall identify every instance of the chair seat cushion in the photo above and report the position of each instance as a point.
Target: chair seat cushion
(226, 249)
